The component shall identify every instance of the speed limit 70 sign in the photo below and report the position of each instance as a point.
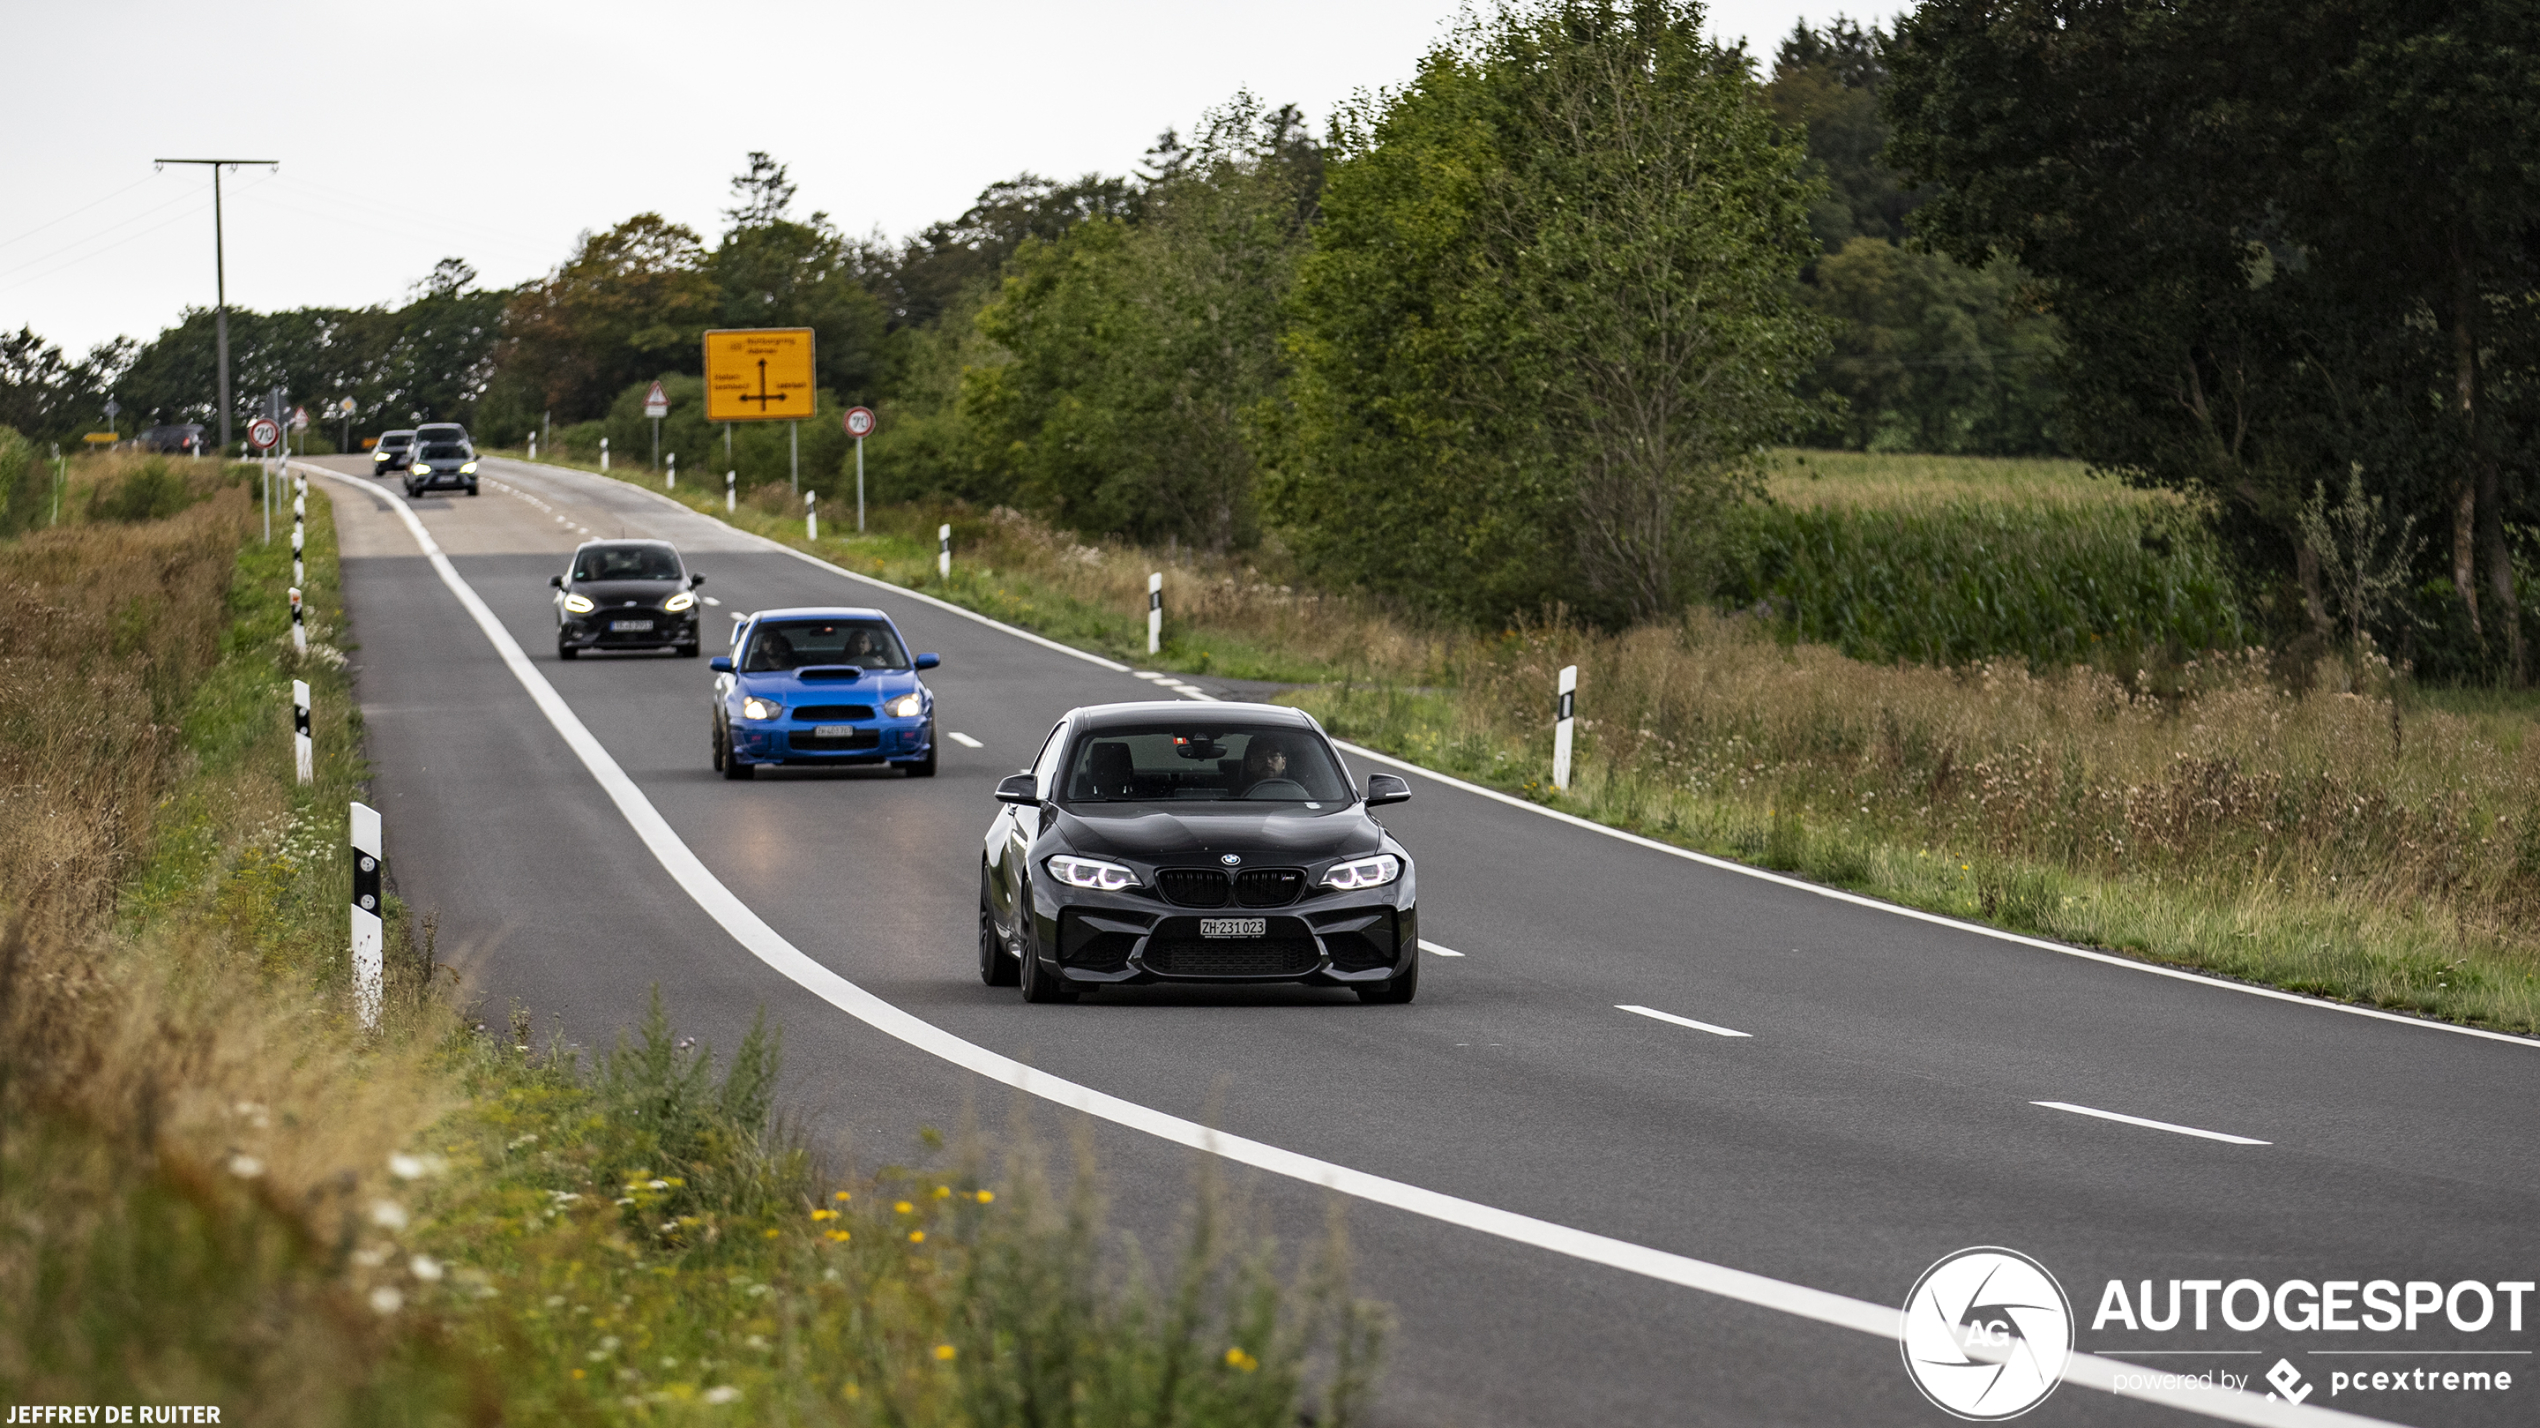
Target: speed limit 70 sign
(264, 434)
(859, 422)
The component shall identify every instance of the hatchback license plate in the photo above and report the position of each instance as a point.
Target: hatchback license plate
(630, 624)
(833, 731)
(1234, 926)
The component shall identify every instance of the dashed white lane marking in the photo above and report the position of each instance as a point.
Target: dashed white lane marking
(746, 927)
(1145, 674)
(710, 600)
(2150, 1125)
(963, 739)
(1427, 946)
(1656, 1015)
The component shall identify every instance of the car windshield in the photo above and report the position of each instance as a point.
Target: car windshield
(1153, 763)
(626, 562)
(444, 451)
(393, 439)
(792, 644)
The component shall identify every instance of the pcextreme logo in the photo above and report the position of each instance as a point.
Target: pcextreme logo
(1987, 1331)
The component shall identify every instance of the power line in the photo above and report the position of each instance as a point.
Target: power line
(74, 213)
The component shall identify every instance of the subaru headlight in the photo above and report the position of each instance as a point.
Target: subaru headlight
(579, 604)
(1091, 873)
(907, 706)
(681, 601)
(468, 469)
(1372, 872)
(753, 707)
(422, 470)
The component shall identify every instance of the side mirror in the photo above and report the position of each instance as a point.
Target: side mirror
(695, 580)
(929, 661)
(720, 664)
(1019, 788)
(1386, 788)
(556, 581)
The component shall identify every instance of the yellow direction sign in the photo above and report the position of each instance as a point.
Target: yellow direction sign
(758, 374)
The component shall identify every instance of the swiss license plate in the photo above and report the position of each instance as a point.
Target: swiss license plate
(1233, 926)
(630, 624)
(833, 731)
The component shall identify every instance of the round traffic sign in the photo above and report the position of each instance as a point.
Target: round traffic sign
(859, 421)
(264, 434)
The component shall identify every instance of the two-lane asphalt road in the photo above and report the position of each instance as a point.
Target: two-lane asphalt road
(1885, 1104)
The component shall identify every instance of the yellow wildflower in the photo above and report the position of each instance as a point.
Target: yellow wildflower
(944, 1352)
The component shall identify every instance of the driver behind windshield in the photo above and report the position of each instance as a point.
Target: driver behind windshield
(793, 644)
(626, 562)
(1143, 763)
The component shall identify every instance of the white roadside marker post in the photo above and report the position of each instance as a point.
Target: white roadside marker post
(299, 625)
(731, 502)
(533, 446)
(604, 456)
(299, 521)
(1566, 708)
(811, 516)
(368, 963)
(1155, 611)
(943, 551)
(303, 749)
(671, 481)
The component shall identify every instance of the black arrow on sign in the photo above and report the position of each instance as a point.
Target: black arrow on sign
(763, 398)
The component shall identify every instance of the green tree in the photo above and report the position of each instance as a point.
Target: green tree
(1136, 350)
(1930, 355)
(629, 303)
(1549, 318)
(771, 270)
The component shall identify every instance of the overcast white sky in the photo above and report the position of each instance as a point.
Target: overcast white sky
(496, 132)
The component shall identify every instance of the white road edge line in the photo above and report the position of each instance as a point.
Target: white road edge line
(768, 945)
(2171, 1127)
(1656, 1015)
(1430, 947)
(963, 739)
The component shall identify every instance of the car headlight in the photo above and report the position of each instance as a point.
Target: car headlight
(753, 707)
(579, 604)
(468, 469)
(1091, 873)
(681, 601)
(1372, 872)
(422, 470)
(907, 706)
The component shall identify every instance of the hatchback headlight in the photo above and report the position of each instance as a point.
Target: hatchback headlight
(681, 601)
(1091, 873)
(907, 706)
(579, 604)
(422, 470)
(468, 469)
(753, 707)
(1372, 872)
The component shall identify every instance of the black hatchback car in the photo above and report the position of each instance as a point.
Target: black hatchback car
(441, 460)
(626, 595)
(1179, 842)
(390, 455)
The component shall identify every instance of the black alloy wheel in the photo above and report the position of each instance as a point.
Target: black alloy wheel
(1397, 991)
(996, 969)
(1040, 984)
(726, 760)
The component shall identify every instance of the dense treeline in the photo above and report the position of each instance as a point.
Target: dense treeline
(1516, 330)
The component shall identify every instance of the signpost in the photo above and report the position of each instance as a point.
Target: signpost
(300, 423)
(859, 424)
(344, 409)
(656, 406)
(113, 409)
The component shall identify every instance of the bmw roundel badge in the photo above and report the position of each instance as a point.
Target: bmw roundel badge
(1230, 859)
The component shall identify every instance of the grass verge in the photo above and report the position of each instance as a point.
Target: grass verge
(2318, 829)
(216, 1189)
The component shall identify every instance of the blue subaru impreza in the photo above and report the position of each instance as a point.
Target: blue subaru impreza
(822, 686)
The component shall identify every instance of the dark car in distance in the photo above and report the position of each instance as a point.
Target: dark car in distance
(626, 595)
(441, 460)
(394, 450)
(1179, 842)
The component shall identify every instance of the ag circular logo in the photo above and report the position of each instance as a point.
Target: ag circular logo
(1987, 1331)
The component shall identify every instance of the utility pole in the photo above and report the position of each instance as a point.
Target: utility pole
(220, 280)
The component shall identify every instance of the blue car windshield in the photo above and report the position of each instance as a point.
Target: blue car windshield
(1204, 762)
(791, 644)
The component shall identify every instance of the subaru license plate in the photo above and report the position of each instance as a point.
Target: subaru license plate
(624, 625)
(832, 731)
(1233, 926)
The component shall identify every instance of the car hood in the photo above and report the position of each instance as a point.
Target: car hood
(1152, 833)
(605, 593)
(790, 687)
